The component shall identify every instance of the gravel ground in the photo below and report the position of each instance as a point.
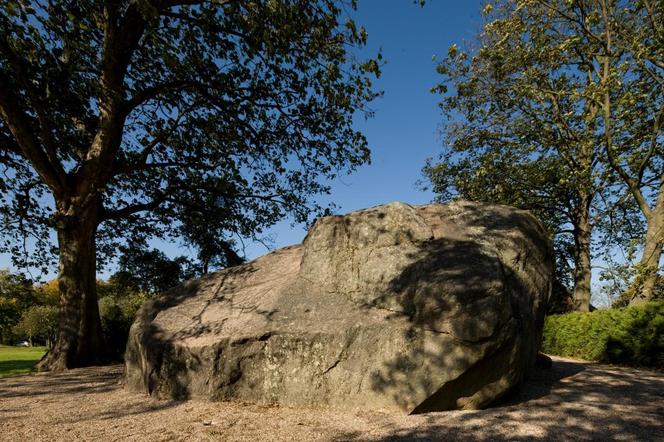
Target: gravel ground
(571, 401)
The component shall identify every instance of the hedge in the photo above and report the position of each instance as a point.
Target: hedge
(630, 336)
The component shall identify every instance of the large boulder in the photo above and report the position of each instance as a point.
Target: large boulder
(398, 308)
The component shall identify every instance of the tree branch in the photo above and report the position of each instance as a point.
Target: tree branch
(134, 208)
(121, 38)
(21, 127)
(653, 145)
(632, 184)
(21, 71)
(152, 92)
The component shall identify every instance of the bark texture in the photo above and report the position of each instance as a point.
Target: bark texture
(582, 261)
(79, 340)
(652, 253)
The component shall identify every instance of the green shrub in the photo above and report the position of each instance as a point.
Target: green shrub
(631, 336)
(117, 315)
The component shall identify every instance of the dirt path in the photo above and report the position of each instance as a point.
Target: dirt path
(571, 401)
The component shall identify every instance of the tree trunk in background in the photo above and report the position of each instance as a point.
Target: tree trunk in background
(644, 285)
(79, 340)
(582, 264)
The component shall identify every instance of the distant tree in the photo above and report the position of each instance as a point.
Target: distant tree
(38, 322)
(526, 121)
(149, 271)
(213, 249)
(18, 286)
(16, 295)
(48, 293)
(9, 316)
(117, 313)
(143, 118)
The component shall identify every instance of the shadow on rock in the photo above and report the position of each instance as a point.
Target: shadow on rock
(479, 284)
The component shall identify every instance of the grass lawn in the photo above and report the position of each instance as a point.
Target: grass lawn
(19, 360)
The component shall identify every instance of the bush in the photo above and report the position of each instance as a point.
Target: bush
(117, 315)
(631, 336)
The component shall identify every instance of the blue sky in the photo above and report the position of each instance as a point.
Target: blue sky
(404, 131)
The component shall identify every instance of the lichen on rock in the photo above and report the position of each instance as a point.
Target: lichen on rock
(396, 308)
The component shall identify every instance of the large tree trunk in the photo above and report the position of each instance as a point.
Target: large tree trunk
(644, 285)
(79, 340)
(582, 264)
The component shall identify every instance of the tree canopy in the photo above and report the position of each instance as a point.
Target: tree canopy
(194, 120)
(527, 121)
(178, 114)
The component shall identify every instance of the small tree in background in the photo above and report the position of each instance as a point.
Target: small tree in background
(10, 314)
(38, 322)
(48, 293)
(16, 295)
(150, 271)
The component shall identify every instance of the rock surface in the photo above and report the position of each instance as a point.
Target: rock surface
(396, 308)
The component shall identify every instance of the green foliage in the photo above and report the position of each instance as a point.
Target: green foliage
(38, 322)
(150, 271)
(193, 121)
(631, 336)
(10, 314)
(17, 287)
(19, 360)
(556, 109)
(16, 295)
(48, 293)
(625, 297)
(117, 314)
(31, 312)
(197, 122)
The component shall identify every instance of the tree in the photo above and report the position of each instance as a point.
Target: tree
(117, 313)
(48, 293)
(150, 271)
(520, 132)
(135, 119)
(38, 322)
(526, 125)
(627, 60)
(16, 295)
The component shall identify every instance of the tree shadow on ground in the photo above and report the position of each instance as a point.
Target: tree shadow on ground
(84, 380)
(12, 367)
(539, 384)
(570, 401)
(46, 387)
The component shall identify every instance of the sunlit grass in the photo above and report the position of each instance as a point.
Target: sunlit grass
(19, 360)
